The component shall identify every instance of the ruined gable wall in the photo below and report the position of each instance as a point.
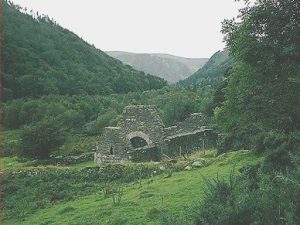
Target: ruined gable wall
(142, 119)
(138, 121)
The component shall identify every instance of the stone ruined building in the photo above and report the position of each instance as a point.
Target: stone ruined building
(142, 136)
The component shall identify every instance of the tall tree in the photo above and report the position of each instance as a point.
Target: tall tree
(263, 88)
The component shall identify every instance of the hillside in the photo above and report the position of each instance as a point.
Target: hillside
(171, 68)
(212, 72)
(81, 200)
(41, 58)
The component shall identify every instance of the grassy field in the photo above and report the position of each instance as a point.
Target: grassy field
(142, 203)
(10, 164)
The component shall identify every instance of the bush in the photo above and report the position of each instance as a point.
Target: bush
(280, 159)
(253, 197)
(176, 219)
(40, 139)
(268, 140)
(281, 150)
(237, 139)
(36, 189)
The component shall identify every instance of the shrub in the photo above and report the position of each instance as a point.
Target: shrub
(154, 213)
(281, 150)
(268, 140)
(280, 159)
(274, 199)
(178, 219)
(40, 139)
(117, 194)
(10, 143)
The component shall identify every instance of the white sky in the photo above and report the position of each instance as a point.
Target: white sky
(188, 28)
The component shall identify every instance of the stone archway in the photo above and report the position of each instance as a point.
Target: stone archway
(138, 142)
(139, 139)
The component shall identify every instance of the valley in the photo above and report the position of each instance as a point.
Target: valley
(169, 67)
(119, 138)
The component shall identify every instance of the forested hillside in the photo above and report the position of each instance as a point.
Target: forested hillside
(169, 67)
(58, 86)
(42, 58)
(212, 72)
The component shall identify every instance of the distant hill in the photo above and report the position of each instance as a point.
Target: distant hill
(212, 72)
(170, 67)
(42, 58)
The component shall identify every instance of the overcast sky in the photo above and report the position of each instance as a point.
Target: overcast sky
(188, 28)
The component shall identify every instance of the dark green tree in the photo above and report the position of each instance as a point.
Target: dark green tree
(40, 139)
(263, 88)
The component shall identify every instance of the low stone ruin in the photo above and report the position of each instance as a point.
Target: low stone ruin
(142, 136)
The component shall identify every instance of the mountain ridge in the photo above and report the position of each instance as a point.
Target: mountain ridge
(212, 72)
(167, 66)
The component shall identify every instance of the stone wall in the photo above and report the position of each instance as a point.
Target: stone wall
(141, 136)
(145, 154)
(110, 159)
(186, 143)
(113, 142)
(142, 121)
(195, 121)
(138, 121)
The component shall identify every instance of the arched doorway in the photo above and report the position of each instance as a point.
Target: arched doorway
(138, 142)
(139, 139)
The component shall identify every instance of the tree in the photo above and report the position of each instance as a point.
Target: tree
(263, 92)
(40, 139)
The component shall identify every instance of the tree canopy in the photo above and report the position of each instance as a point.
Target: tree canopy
(263, 88)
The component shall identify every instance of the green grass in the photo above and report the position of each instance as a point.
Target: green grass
(140, 205)
(83, 165)
(13, 164)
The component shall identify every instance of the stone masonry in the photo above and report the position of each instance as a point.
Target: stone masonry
(142, 136)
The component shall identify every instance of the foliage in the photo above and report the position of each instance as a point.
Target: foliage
(117, 194)
(56, 74)
(252, 197)
(69, 195)
(273, 202)
(10, 142)
(40, 139)
(257, 107)
(30, 185)
(262, 94)
(42, 58)
(212, 73)
(84, 117)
